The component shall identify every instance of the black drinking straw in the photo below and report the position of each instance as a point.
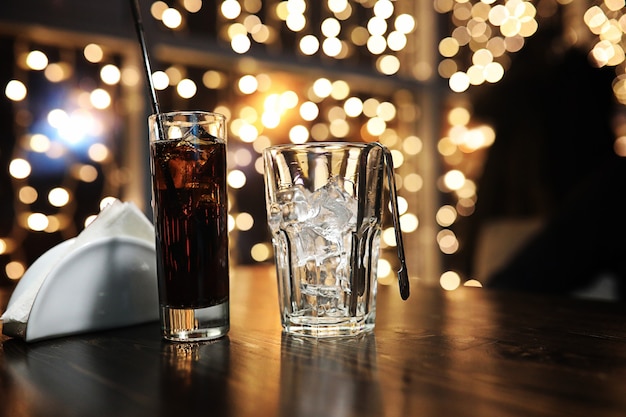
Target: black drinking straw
(169, 181)
(146, 59)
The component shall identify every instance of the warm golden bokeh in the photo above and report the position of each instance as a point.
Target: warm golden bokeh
(265, 107)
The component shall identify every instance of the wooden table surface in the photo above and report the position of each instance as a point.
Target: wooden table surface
(470, 352)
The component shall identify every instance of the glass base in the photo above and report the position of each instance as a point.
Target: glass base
(195, 324)
(326, 327)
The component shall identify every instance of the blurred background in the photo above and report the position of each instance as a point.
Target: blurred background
(499, 115)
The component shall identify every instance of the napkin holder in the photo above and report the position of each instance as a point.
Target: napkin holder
(107, 283)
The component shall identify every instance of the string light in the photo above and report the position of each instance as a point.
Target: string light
(15, 90)
(69, 130)
(607, 21)
(482, 36)
(268, 108)
(318, 109)
(483, 32)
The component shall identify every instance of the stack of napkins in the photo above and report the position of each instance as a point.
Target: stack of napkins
(101, 279)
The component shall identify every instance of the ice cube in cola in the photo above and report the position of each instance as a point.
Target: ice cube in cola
(191, 221)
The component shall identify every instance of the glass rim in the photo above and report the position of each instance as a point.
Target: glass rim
(325, 146)
(186, 113)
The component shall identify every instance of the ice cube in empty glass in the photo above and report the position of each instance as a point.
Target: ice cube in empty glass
(324, 207)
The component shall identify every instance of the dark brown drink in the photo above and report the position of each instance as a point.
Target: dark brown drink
(190, 222)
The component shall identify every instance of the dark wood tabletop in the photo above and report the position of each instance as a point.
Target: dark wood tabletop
(469, 352)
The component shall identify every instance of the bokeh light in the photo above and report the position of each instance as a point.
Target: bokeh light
(36, 60)
(19, 168)
(450, 280)
(15, 90)
(93, 53)
(172, 18)
(265, 106)
(110, 74)
(58, 197)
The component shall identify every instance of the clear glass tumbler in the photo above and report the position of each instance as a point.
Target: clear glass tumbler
(188, 167)
(324, 208)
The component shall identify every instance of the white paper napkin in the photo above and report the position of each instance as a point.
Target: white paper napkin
(119, 220)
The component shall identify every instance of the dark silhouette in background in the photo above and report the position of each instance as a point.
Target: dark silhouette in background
(553, 159)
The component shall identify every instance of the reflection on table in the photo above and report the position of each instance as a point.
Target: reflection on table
(467, 352)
